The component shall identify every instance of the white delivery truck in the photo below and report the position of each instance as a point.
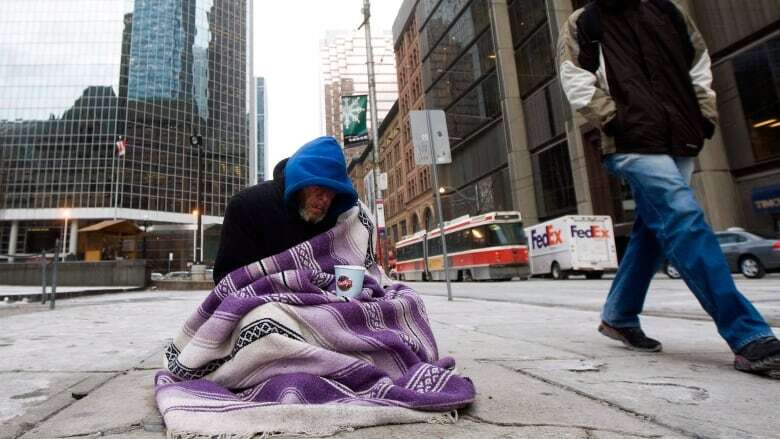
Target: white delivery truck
(572, 244)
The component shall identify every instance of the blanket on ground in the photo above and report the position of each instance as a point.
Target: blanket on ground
(272, 349)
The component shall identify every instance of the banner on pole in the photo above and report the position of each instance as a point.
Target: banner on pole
(353, 120)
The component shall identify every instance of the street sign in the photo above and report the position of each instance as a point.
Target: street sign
(382, 183)
(427, 124)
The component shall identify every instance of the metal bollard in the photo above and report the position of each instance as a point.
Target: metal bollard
(44, 262)
(54, 276)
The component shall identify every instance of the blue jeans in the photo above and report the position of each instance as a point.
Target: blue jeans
(669, 223)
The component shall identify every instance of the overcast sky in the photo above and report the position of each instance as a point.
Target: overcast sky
(287, 35)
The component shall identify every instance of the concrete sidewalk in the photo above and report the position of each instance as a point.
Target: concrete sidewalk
(539, 372)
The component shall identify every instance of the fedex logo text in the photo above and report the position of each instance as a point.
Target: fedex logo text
(594, 232)
(546, 239)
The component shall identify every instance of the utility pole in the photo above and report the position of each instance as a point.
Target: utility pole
(374, 118)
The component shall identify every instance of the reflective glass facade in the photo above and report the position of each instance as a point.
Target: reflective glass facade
(544, 107)
(78, 75)
(459, 76)
(745, 48)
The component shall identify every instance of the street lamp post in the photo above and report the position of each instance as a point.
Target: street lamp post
(196, 215)
(66, 215)
(196, 141)
(143, 240)
(53, 296)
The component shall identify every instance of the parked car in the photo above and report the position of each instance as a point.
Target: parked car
(178, 275)
(746, 253)
(157, 276)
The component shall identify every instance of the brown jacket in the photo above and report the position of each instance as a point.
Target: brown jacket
(640, 72)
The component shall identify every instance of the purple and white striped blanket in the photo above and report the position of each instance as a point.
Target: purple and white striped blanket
(272, 349)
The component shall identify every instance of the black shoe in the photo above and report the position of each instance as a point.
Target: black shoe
(761, 356)
(632, 338)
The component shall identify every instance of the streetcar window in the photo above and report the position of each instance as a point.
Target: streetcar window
(416, 251)
(506, 234)
(478, 238)
(459, 241)
(407, 252)
(434, 246)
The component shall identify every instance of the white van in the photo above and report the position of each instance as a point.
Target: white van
(572, 244)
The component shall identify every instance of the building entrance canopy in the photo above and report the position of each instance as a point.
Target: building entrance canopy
(110, 239)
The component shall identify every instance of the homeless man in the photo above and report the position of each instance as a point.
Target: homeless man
(308, 192)
(639, 71)
(273, 349)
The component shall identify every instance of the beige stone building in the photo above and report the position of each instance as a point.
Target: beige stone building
(343, 72)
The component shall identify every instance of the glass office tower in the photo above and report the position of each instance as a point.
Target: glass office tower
(78, 76)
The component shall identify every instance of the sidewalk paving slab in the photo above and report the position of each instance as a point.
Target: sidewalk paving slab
(539, 372)
(118, 408)
(691, 387)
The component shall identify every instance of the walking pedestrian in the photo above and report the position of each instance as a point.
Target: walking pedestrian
(639, 71)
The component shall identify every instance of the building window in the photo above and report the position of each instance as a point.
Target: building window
(534, 60)
(553, 179)
(525, 16)
(757, 74)
(472, 111)
(476, 62)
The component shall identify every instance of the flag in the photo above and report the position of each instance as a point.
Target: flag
(353, 120)
(120, 147)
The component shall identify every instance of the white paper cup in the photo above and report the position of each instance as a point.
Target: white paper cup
(349, 280)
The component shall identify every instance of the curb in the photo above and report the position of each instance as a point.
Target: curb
(36, 297)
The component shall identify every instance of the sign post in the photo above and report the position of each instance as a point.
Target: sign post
(432, 147)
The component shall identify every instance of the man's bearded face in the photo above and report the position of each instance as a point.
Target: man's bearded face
(314, 202)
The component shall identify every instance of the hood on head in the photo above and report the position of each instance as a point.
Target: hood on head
(320, 163)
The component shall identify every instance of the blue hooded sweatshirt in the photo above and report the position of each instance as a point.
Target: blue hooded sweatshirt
(320, 163)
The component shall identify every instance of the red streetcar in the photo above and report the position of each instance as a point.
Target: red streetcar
(490, 246)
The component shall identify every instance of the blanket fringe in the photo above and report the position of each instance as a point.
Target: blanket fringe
(442, 418)
(258, 435)
(445, 418)
(190, 435)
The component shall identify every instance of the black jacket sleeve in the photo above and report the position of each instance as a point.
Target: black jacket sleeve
(236, 245)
